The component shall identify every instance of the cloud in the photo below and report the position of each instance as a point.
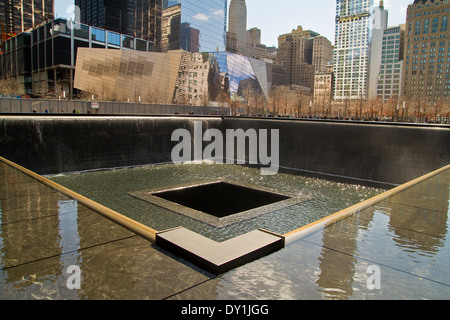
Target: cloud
(201, 17)
(218, 12)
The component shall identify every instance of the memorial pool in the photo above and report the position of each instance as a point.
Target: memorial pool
(319, 197)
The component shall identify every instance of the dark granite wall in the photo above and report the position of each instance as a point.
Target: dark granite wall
(378, 152)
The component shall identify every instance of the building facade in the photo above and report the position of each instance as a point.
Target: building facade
(353, 30)
(18, 16)
(389, 81)
(427, 51)
(181, 77)
(237, 26)
(42, 62)
(194, 25)
(137, 18)
(379, 25)
(300, 54)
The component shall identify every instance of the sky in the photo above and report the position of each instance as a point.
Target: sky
(274, 20)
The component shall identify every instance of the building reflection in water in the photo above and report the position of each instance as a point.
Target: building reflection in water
(37, 225)
(416, 226)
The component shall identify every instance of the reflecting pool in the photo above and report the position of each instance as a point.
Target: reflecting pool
(112, 188)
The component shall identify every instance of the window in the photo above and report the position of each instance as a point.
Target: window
(425, 26)
(113, 38)
(82, 31)
(444, 24)
(417, 27)
(435, 25)
(98, 35)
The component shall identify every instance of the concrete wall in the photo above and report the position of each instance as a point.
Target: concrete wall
(377, 152)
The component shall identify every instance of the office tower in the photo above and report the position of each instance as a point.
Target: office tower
(138, 18)
(427, 50)
(255, 49)
(322, 53)
(379, 24)
(237, 28)
(301, 53)
(389, 80)
(20, 15)
(194, 25)
(353, 30)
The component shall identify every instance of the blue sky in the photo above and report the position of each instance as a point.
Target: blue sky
(273, 20)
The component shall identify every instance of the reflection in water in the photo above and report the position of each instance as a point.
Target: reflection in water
(38, 238)
(328, 197)
(69, 237)
(411, 228)
(338, 270)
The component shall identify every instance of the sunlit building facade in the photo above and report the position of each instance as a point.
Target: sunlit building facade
(180, 77)
(20, 15)
(427, 51)
(389, 84)
(354, 24)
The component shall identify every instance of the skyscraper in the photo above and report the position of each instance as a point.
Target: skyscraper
(380, 23)
(389, 81)
(237, 28)
(354, 24)
(20, 15)
(301, 53)
(427, 52)
(138, 18)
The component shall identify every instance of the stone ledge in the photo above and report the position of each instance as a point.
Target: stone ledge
(219, 257)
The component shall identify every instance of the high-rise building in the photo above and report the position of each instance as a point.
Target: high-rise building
(301, 53)
(322, 53)
(389, 80)
(379, 24)
(353, 30)
(194, 25)
(20, 15)
(427, 51)
(237, 28)
(138, 18)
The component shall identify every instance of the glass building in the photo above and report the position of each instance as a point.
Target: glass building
(353, 31)
(194, 25)
(138, 18)
(43, 60)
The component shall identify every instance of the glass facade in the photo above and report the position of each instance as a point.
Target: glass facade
(353, 36)
(46, 57)
(194, 25)
(138, 18)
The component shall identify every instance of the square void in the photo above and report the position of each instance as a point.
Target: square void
(221, 199)
(218, 203)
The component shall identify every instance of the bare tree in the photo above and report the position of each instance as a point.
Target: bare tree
(9, 86)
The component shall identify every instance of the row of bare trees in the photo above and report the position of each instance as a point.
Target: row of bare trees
(292, 103)
(10, 86)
